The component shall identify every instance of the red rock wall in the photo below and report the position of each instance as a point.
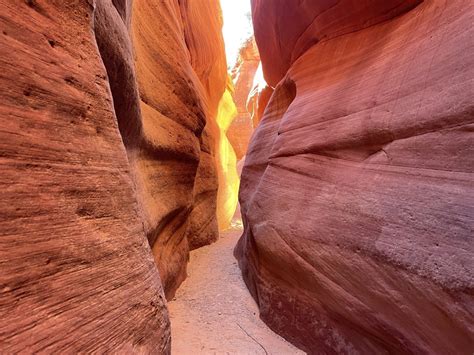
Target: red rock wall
(108, 139)
(357, 189)
(243, 74)
(258, 97)
(180, 81)
(203, 36)
(76, 271)
(284, 30)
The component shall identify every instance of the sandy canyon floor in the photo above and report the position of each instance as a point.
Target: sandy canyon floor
(213, 312)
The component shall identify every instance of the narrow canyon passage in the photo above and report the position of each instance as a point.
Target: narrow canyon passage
(132, 129)
(213, 312)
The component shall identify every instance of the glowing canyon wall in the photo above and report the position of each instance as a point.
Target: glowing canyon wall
(181, 74)
(243, 74)
(227, 197)
(357, 190)
(108, 167)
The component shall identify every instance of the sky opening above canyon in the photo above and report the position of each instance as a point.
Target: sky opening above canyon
(237, 26)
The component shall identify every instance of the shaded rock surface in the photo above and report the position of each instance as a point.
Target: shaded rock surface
(76, 271)
(357, 191)
(181, 72)
(109, 145)
(202, 28)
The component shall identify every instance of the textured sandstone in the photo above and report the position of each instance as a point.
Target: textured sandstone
(174, 105)
(182, 76)
(243, 75)
(258, 97)
(202, 24)
(109, 137)
(357, 189)
(76, 271)
(285, 30)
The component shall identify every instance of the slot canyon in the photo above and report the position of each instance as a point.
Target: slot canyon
(174, 183)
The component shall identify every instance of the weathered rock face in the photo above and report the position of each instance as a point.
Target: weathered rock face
(109, 138)
(300, 27)
(181, 71)
(203, 24)
(76, 271)
(258, 97)
(243, 74)
(357, 190)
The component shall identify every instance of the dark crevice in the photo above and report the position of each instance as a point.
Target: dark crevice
(120, 70)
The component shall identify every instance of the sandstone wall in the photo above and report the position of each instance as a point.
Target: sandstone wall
(109, 144)
(76, 271)
(357, 189)
(180, 82)
(227, 197)
(243, 74)
(203, 24)
(258, 97)
(182, 76)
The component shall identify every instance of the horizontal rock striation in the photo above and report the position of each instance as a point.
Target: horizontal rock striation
(76, 270)
(357, 190)
(175, 163)
(109, 145)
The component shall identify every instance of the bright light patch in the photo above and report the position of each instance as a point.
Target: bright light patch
(237, 26)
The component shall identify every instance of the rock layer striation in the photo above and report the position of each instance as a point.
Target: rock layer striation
(357, 192)
(109, 145)
(181, 75)
(77, 274)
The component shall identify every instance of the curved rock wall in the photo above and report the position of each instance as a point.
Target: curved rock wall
(203, 23)
(258, 97)
(227, 197)
(174, 111)
(108, 145)
(357, 189)
(182, 76)
(76, 271)
(285, 30)
(243, 74)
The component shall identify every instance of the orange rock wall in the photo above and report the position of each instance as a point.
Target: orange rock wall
(243, 74)
(357, 191)
(109, 145)
(258, 97)
(227, 196)
(76, 271)
(181, 72)
(204, 39)
(297, 27)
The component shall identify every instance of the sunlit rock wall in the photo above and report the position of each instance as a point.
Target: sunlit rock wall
(227, 197)
(258, 97)
(203, 24)
(109, 144)
(357, 189)
(243, 74)
(181, 71)
(76, 270)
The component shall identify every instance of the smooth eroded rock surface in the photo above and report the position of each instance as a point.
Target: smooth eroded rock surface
(285, 30)
(181, 75)
(76, 270)
(357, 193)
(243, 74)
